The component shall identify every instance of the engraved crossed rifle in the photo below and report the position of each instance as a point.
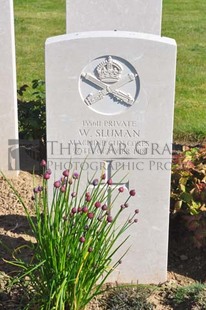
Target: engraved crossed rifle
(109, 89)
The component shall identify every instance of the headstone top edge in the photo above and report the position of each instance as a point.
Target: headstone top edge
(111, 34)
(144, 16)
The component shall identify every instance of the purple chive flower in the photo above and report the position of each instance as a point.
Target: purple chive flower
(73, 194)
(126, 205)
(85, 209)
(122, 207)
(63, 189)
(43, 163)
(109, 182)
(104, 207)
(97, 204)
(88, 198)
(95, 182)
(75, 175)
(132, 192)
(90, 215)
(82, 239)
(90, 249)
(135, 220)
(121, 189)
(46, 176)
(109, 219)
(35, 190)
(74, 210)
(62, 179)
(40, 188)
(79, 209)
(66, 173)
(136, 211)
(57, 184)
(49, 171)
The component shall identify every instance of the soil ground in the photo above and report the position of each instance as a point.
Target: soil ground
(186, 263)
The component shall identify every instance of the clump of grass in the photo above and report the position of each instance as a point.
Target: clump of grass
(191, 297)
(76, 238)
(128, 298)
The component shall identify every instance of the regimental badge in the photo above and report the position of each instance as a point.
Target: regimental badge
(109, 71)
(109, 85)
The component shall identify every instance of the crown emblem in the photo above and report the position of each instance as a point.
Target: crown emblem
(109, 71)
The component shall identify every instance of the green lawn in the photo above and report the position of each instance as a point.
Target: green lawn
(36, 20)
(183, 20)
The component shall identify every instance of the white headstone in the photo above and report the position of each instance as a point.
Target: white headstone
(9, 154)
(133, 15)
(111, 96)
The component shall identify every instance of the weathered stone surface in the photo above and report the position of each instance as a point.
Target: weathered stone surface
(110, 95)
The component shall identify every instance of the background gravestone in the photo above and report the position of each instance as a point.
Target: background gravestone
(110, 95)
(9, 155)
(133, 15)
